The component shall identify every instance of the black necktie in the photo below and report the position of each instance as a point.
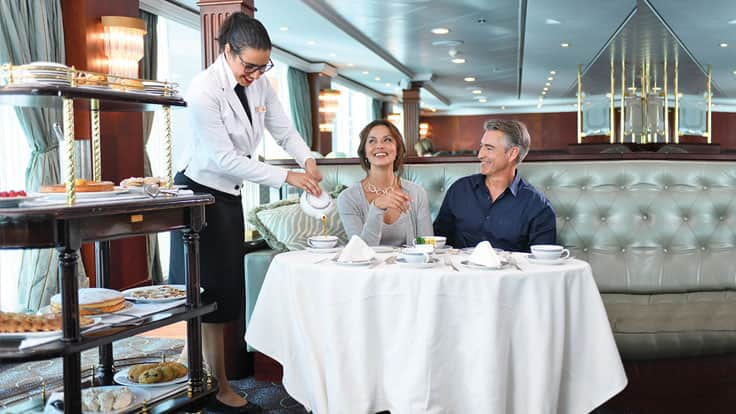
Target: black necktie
(240, 91)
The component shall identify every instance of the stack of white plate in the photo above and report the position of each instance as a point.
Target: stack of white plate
(44, 73)
(160, 88)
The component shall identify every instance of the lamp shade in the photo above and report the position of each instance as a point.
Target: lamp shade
(123, 44)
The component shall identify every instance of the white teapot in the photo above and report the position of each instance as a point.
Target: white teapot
(316, 206)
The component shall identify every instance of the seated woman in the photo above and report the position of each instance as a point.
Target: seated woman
(383, 209)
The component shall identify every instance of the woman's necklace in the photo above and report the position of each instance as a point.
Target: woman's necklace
(371, 188)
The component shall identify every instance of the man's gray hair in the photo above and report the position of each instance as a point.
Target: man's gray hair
(515, 132)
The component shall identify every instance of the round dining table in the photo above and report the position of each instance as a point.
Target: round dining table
(441, 338)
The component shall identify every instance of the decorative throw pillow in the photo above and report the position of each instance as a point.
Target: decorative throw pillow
(284, 225)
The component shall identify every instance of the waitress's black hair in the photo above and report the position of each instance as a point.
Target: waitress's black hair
(240, 31)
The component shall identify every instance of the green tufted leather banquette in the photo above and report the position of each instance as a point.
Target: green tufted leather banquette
(660, 237)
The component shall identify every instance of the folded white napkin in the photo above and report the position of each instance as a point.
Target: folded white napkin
(484, 255)
(356, 250)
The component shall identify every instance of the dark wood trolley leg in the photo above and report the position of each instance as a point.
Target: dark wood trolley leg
(70, 327)
(105, 363)
(194, 328)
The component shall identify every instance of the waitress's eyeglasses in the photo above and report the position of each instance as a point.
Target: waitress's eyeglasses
(250, 68)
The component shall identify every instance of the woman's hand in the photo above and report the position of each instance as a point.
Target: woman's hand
(310, 166)
(396, 199)
(304, 181)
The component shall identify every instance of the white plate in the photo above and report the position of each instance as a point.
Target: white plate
(355, 263)
(418, 265)
(85, 195)
(533, 260)
(128, 294)
(383, 249)
(471, 265)
(14, 201)
(137, 400)
(122, 378)
(323, 250)
(444, 249)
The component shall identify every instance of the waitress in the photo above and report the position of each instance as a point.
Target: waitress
(230, 104)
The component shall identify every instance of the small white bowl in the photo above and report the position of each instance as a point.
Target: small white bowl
(322, 242)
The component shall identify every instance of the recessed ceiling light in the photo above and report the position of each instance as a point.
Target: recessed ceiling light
(311, 42)
(550, 78)
(544, 92)
(458, 60)
(365, 72)
(539, 105)
(551, 21)
(448, 43)
(552, 72)
(732, 21)
(482, 100)
(377, 78)
(477, 91)
(724, 44)
(351, 65)
(333, 54)
(545, 89)
(734, 72)
(547, 84)
(470, 79)
(387, 84)
(283, 28)
(503, 108)
(564, 44)
(440, 30)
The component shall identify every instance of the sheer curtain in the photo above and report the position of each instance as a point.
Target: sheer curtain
(32, 30)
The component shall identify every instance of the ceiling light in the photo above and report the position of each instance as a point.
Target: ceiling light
(539, 105)
(550, 78)
(377, 78)
(503, 108)
(544, 92)
(552, 72)
(283, 28)
(724, 44)
(470, 79)
(458, 60)
(477, 91)
(734, 72)
(732, 21)
(547, 84)
(387, 84)
(351, 65)
(482, 100)
(564, 44)
(333, 54)
(448, 43)
(365, 72)
(311, 43)
(440, 30)
(545, 88)
(551, 21)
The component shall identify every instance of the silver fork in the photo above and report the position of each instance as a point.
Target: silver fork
(448, 262)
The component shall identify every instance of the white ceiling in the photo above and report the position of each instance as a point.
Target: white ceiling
(509, 45)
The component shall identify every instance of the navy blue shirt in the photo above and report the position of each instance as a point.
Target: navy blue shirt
(520, 217)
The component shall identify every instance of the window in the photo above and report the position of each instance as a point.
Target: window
(13, 162)
(354, 112)
(269, 149)
(176, 64)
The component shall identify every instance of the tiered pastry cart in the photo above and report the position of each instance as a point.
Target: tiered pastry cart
(66, 227)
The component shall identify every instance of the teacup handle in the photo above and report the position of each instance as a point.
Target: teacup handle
(309, 242)
(426, 257)
(565, 254)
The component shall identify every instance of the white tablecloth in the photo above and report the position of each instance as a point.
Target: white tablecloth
(357, 340)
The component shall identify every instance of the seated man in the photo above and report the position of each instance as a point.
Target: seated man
(497, 205)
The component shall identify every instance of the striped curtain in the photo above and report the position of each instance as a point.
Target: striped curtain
(149, 68)
(32, 30)
(300, 103)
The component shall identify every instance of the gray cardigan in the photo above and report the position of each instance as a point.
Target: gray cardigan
(366, 220)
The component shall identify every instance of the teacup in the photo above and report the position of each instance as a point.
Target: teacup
(415, 255)
(437, 241)
(549, 251)
(322, 242)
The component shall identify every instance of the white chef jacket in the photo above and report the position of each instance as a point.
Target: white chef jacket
(215, 153)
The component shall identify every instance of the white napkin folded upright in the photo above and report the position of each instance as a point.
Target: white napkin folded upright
(356, 251)
(484, 255)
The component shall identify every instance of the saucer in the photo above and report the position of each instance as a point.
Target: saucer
(533, 260)
(418, 265)
(444, 249)
(355, 263)
(383, 249)
(471, 265)
(319, 250)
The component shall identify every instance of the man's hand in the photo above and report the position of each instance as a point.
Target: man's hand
(396, 199)
(310, 166)
(304, 181)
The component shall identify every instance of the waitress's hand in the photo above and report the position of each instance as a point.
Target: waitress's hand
(304, 181)
(310, 166)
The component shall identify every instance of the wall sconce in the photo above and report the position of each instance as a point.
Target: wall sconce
(395, 118)
(123, 44)
(328, 104)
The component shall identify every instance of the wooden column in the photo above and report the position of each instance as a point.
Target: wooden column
(212, 13)
(122, 132)
(410, 103)
(322, 141)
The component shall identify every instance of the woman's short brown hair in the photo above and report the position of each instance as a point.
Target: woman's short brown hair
(400, 147)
